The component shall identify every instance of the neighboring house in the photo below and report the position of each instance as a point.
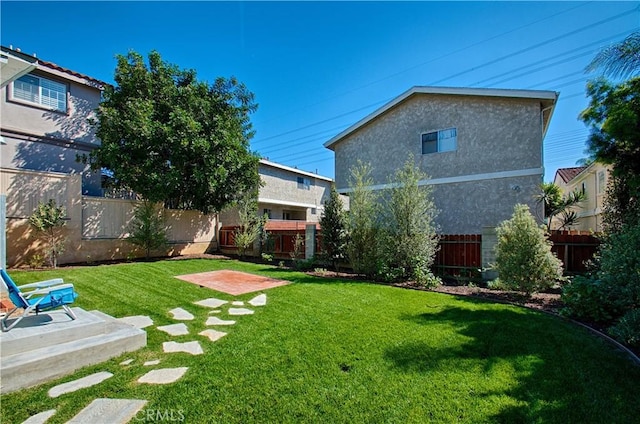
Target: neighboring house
(593, 180)
(481, 148)
(291, 198)
(45, 123)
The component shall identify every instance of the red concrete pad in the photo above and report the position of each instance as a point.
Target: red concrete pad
(232, 282)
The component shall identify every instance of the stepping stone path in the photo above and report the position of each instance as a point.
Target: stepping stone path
(121, 411)
(213, 335)
(112, 411)
(40, 418)
(163, 376)
(259, 300)
(181, 314)
(218, 321)
(138, 321)
(84, 382)
(240, 311)
(193, 348)
(212, 302)
(175, 329)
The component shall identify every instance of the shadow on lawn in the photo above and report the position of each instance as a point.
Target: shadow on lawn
(561, 374)
(300, 277)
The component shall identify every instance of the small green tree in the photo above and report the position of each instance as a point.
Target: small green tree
(48, 220)
(333, 229)
(362, 225)
(250, 224)
(524, 260)
(409, 231)
(147, 229)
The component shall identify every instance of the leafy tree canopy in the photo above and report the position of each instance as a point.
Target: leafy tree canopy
(619, 60)
(614, 117)
(174, 139)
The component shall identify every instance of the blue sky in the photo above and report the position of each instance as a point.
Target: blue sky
(318, 67)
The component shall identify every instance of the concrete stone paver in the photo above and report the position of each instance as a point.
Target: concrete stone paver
(138, 321)
(237, 303)
(240, 311)
(193, 347)
(218, 321)
(151, 363)
(213, 335)
(163, 376)
(181, 314)
(40, 418)
(259, 300)
(215, 311)
(175, 329)
(211, 302)
(126, 362)
(81, 383)
(112, 411)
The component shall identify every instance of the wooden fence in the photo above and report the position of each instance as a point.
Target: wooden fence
(459, 257)
(574, 249)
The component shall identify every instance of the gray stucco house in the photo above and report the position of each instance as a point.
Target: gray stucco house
(44, 122)
(482, 149)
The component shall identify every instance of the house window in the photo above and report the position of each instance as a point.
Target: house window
(601, 182)
(267, 212)
(304, 183)
(286, 215)
(41, 91)
(314, 211)
(440, 141)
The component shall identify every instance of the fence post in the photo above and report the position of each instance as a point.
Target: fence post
(310, 241)
(489, 242)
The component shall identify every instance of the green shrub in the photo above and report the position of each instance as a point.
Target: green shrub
(613, 288)
(524, 260)
(627, 330)
(147, 229)
(48, 220)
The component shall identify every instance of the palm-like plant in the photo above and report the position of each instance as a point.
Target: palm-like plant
(619, 60)
(558, 206)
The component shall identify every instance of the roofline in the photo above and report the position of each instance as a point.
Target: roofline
(54, 67)
(295, 170)
(456, 91)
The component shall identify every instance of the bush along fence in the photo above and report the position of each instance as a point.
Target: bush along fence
(459, 257)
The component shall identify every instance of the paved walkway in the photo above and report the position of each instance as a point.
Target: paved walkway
(121, 411)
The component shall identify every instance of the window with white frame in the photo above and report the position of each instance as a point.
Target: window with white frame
(601, 184)
(304, 183)
(41, 91)
(440, 141)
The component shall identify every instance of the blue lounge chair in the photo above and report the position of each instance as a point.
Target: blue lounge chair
(41, 296)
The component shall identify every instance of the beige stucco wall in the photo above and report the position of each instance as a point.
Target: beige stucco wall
(494, 135)
(96, 228)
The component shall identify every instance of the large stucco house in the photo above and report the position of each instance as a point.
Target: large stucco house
(481, 148)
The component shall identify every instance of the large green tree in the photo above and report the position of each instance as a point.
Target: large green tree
(620, 59)
(333, 228)
(613, 116)
(174, 139)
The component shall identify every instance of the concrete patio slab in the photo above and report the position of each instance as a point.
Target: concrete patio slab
(111, 411)
(193, 347)
(240, 311)
(218, 321)
(138, 321)
(151, 363)
(181, 314)
(211, 302)
(163, 376)
(81, 383)
(232, 282)
(213, 335)
(259, 300)
(175, 329)
(40, 418)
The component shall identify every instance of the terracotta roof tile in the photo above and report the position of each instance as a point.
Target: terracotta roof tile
(568, 174)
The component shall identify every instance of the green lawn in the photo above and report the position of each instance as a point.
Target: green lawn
(335, 351)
